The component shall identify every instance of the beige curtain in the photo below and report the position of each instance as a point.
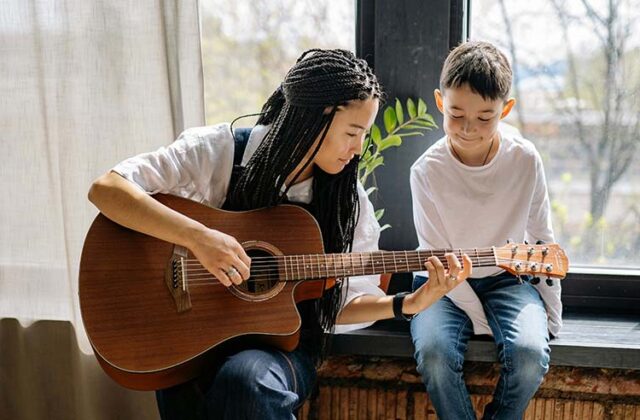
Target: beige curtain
(83, 84)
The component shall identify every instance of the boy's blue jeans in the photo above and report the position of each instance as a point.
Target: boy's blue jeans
(518, 320)
(251, 384)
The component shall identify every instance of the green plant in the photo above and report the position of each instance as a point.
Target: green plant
(396, 127)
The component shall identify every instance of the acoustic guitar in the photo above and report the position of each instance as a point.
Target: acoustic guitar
(155, 317)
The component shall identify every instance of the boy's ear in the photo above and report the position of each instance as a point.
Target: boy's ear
(508, 106)
(438, 97)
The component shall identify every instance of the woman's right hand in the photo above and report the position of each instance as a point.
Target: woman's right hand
(222, 255)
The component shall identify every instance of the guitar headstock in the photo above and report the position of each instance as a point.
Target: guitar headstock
(548, 260)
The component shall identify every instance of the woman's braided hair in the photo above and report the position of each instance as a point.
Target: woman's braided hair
(320, 80)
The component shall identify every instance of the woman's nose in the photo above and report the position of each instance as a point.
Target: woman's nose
(356, 145)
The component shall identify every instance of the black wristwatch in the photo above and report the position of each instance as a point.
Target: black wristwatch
(398, 299)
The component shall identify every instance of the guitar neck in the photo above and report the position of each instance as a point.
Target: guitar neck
(314, 266)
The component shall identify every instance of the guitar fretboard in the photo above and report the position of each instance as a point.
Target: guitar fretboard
(316, 266)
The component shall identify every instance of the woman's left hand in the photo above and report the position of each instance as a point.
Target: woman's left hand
(441, 282)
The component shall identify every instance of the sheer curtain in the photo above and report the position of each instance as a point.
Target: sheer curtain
(83, 84)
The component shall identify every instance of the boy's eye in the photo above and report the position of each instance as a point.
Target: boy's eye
(352, 134)
(483, 120)
(456, 116)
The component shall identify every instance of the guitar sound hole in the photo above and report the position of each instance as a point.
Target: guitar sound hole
(264, 273)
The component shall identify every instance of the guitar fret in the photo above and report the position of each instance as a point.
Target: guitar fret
(354, 262)
(371, 263)
(304, 267)
(293, 274)
(326, 270)
(335, 266)
(384, 267)
(286, 273)
(406, 260)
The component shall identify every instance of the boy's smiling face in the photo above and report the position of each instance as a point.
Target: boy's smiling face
(471, 121)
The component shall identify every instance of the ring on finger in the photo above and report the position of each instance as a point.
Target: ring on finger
(451, 277)
(231, 272)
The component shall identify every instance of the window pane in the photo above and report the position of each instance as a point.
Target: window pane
(248, 45)
(577, 82)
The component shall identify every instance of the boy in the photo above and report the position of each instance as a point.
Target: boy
(480, 185)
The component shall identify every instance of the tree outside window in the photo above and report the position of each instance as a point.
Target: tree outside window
(577, 82)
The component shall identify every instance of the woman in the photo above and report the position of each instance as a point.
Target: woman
(304, 149)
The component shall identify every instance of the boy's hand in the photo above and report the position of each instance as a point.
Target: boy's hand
(440, 282)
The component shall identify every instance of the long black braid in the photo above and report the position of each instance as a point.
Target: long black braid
(320, 80)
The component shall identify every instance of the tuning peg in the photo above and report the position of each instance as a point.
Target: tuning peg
(540, 242)
(526, 242)
(535, 280)
(509, 241)
(549, 281)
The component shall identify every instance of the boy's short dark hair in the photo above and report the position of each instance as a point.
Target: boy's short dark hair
(480, 65)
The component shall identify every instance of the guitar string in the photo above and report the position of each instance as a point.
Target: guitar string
(327, 268)
(294, 266)
(206, 277)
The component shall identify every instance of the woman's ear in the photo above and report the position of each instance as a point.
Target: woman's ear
(438, 97)
(508, 106)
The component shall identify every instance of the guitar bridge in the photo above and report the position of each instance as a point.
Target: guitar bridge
(175, 279)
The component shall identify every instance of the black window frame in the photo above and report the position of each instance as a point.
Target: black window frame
(585, 289)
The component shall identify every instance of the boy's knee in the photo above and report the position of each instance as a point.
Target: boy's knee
(530, 362)
(436, 358)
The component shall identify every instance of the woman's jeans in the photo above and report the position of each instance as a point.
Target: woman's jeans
(518, 320)
(251, 384)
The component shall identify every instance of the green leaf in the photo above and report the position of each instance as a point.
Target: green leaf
(389, 119)
(422, 107)
(373, 165)
(370, 190)
(411, 106)
(411, 133)
(399, 112)
(379, 213)
(375, 134)
(390, 141)
(419, 127)
(429, 118)
(386, 226)
(425, 124)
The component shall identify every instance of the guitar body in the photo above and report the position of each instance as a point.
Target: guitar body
(149, 334)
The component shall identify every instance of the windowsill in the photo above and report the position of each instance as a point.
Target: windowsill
(586, 340)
